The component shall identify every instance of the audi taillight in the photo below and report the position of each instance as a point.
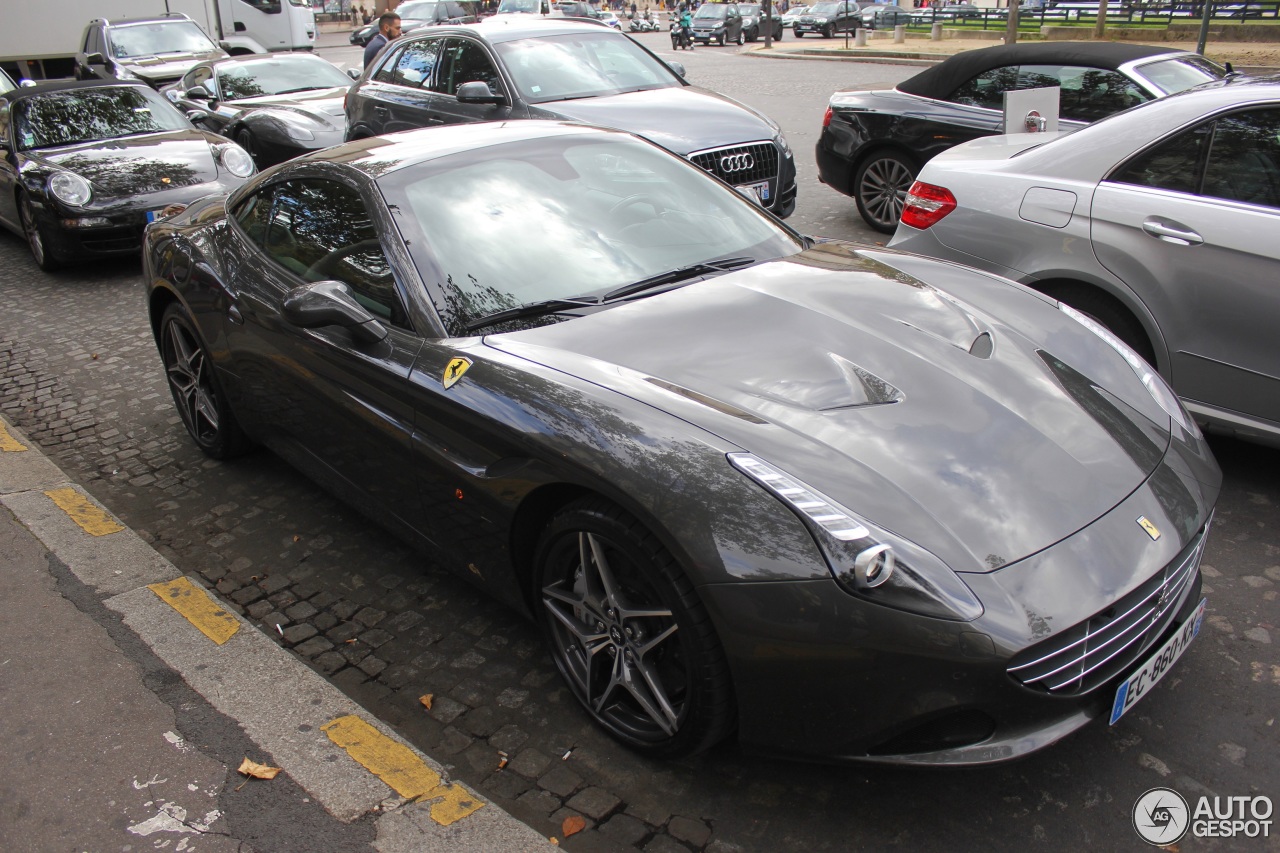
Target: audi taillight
(826, 118)
(926, 205)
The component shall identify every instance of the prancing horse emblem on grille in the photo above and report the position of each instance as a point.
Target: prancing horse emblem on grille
(736, 162)
(1152, 530)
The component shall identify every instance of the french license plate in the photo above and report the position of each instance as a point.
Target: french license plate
(153, 215)
(757, 192)
(1156, 666)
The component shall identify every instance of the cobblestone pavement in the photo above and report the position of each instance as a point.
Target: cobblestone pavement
(79, 374)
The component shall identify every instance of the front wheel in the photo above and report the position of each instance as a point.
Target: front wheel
(880, 188)
(196, 393)
(799, 34)
(36, 241)
(629, 635)
(829, 31)
(741, 38)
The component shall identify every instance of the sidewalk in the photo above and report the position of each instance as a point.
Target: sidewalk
(129, 698)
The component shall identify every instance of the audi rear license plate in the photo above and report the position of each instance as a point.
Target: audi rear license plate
(757, 192)
(1156, 666)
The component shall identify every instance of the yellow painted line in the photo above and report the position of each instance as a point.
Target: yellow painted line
(402, 770)
(8, 443)
(198, 608)
(91, 518)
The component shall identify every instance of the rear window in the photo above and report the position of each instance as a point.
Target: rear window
(1181, 72)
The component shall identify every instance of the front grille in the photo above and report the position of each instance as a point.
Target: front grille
(762, 157)
(1088, 655)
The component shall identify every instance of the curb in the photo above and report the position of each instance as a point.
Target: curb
(341, 756)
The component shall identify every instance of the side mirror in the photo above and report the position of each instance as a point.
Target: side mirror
(330, 303)
(677, 67)
(478, 92)
(198, 93)
(195, 116)
(353, 73)
(95, 59)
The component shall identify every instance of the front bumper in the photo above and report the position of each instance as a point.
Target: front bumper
(822, 675)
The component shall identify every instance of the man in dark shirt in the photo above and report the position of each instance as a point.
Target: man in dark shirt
(388, 30)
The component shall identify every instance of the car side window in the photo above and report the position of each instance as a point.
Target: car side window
(1174, 165)
(1088, 94)
(416, 62)
(1244, 158)
(465, 61)
(987, 89)
(254, 216)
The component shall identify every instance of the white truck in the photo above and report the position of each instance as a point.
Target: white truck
(40, 40)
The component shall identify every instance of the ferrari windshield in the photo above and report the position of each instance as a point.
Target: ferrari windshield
(277, 76)
(87, 115)
(1181, 72)
(582, 65)
(568, 216)
(159, 37)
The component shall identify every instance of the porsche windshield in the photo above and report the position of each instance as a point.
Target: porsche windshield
(278, 76)
(582, 65)
(87, 115)
(158, 38)
(568, 216)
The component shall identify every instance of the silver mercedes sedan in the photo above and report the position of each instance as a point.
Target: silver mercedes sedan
(1162, 223)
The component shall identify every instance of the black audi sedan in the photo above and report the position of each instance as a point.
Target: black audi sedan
(873, 143)
(848, 503)
(86, 165)
(525, 67)
(275, 107)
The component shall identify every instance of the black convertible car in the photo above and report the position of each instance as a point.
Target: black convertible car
(87, 165)
(855, 504)
(873, 143)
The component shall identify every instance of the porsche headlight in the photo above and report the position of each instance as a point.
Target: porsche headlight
(1151, 380)
(237, 160)
(867, 561)
(70, 189)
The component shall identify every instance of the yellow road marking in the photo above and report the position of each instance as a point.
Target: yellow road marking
(198, 608)
(404, 773)
(8, 443)
(91, 518)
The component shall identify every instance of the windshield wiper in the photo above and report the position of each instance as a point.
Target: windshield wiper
(303, 89)
(672, 276)
(533, 309)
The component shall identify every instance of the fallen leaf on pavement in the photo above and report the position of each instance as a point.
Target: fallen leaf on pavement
(256, 770)
(572, 825)
(426, 700)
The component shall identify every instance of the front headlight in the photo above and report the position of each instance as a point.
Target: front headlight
(782, 144)
(819, 20)
(70, 189)
(297, 132)
(123, 73)
(868, 561)
(1151, 380)
(237, 160)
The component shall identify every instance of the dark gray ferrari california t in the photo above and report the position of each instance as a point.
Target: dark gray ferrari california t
(849, 503)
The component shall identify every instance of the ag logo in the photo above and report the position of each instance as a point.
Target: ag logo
(1160, 816)
(454, 370)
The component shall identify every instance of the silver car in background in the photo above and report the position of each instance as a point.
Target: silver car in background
(1162, 223)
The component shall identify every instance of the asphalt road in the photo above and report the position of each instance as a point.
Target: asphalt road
(81, 377)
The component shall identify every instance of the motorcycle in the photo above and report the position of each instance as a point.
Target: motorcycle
(680, 37)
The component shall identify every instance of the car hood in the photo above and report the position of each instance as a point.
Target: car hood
(848, 372)
(323, 106)
(167, 67)
(138, 164)
(681, 119)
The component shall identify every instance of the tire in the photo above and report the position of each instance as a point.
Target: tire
(1111, 313)
(829, 31)
(880, 188)
(755, 34)
(244, 138)
(37, 239)
(778, 37)
(741, 39)
(199, 398)
(595, 565)
(723, 39)
(799, 34)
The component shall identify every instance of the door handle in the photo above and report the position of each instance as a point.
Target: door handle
(1179, 235)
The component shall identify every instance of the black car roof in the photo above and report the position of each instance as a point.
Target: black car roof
(942, 79)
(69, 86)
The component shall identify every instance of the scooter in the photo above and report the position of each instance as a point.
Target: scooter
(680, 37)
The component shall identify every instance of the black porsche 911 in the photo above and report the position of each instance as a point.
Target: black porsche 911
(849, 503)
(86, 165)
(873, 143)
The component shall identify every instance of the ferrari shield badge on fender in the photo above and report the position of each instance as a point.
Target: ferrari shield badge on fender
(457, 367)
(1152, 530)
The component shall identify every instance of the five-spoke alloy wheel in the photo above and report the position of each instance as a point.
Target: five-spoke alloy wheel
(629, 634)
(195, 389)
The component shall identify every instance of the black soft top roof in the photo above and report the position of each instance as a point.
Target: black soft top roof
(942, 79)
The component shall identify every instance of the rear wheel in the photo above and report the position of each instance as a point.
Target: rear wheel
(196, 393)
(880, 189)
(36, 242)
(629, 635)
